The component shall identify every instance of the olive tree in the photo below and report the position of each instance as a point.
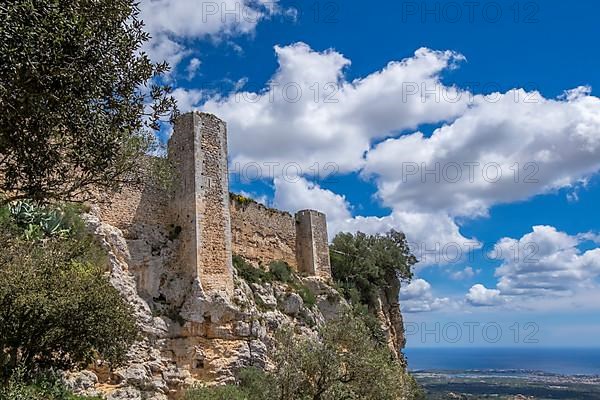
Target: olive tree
(79, 100)
(363, 264)
(342, 363)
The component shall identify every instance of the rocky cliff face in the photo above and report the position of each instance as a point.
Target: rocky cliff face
(388, 312)
(187, 338)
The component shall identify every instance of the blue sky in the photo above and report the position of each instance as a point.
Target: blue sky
(369, 92)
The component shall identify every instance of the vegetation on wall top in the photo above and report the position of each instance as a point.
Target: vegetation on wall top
(246, 201)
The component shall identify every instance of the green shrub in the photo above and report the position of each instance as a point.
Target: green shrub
(362, 264)
(248, 272)
(229, 392)
(307, 296)
(278, 271)
(42, 387)
(241, 200)
(58, 308)
(372, 323)
(281, 271)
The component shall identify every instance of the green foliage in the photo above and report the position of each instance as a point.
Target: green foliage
(308, 297)
(79, 101)
(372, 323)
(38, 222)
(363, 264)
(256, 383)
(415, 391)
(281, 271)
(242, 200)
(163, 173)
(343, 364)
(228, 392)
(42, 387)
(278, 271)
(57, 307)
(248, 272)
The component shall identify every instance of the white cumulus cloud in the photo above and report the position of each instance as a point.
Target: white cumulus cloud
(479, 296)
(543, 269)
(545, 262)
(417, 296)
(504, 148)
(464, 274)
(310, 113)
(174, 23)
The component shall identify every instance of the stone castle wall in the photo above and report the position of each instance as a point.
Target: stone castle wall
(207, 223)
(261, 234)
(132, 207)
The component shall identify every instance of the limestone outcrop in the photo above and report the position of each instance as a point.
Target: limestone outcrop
(187, 338)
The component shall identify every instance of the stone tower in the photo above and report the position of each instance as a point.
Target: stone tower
(312, 245)
(200, 205)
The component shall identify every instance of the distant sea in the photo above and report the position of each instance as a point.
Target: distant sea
(561, 361)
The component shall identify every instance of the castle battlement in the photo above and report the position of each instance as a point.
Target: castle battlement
(210, 225)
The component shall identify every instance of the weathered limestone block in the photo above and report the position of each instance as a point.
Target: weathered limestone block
(83, 382)
(114, 243)
(126, 393)
(292, 304)
(265, 294)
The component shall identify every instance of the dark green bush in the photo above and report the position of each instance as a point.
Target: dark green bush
(281, 271)
(248, 272)
(362, 264)
(80, 102)
(229, 392)
(307, 296)
(278, 271)
(58, 309)
(42, 387)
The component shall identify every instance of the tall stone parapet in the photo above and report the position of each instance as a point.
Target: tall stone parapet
(312, 244)
(200, 204)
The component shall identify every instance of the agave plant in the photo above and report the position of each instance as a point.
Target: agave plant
(38, 221)
(23, 212)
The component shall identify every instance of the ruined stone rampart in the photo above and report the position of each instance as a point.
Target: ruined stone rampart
(133, 207)
(208, 225)
(261, 234)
